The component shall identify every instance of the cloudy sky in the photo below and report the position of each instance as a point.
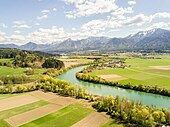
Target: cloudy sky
(47, 21)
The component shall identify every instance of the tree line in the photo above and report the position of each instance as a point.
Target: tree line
(140, 87)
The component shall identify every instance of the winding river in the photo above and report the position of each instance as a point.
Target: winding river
(99, 89)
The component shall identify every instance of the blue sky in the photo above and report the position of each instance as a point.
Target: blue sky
(47, 21)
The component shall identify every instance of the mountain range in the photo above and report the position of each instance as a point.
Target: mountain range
(155, 39)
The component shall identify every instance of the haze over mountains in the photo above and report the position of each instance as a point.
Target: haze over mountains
(155, 39)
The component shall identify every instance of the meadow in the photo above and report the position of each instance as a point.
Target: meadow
(141, 71)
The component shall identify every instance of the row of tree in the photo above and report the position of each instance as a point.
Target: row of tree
(127, 111)
(131, 112)
(140, 87)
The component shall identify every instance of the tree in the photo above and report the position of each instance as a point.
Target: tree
(53, 63)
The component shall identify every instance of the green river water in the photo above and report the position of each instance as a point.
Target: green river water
(99, 89)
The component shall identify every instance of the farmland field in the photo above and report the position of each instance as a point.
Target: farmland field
(62, 118)
(70, 62)
(63, 114)
(8, 113)
(141, 71)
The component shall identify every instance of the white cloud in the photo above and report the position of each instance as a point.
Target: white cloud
(21, 26)
(138, 20)
(2, 33)
(90, 7)
(37, 24)
(159, 25)
(73, 28)
(161, 15)
(121, 11)
(19, 22)
(54, 9)
(131, 2)
(3, 25)
(42, 17)
(17, 32)
(45, 11)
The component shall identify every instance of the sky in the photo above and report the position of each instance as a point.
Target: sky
(49, 21)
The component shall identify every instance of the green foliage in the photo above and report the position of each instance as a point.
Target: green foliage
(14, 79)
(131, 112)
(53, 63)
(29, 71)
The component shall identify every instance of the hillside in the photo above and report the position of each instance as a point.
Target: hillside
(155, 39)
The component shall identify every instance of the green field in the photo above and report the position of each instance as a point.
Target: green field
(8, 113)
(4, 71)
(6, 60)
(142, 71)
(63, 118)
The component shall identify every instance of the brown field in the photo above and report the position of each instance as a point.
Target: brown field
(114, 77)
(161, 67)
(64, 101)
(69, 64)
(93, 120)
(16, 101)
(34, 114)
(57, 102)
(43, 96)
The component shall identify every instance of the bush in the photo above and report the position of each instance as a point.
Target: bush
(14, 79)
(29, 71)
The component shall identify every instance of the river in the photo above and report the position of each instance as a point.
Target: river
(99, 89)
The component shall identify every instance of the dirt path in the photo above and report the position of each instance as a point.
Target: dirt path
(16, 101)
(93, 120)
(34, 114)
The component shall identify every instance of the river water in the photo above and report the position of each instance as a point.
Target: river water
(99, 89)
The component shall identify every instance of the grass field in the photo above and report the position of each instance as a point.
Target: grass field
(6, 60)
(4, 71)
(8, 113)
(62, 118)
(142, 71)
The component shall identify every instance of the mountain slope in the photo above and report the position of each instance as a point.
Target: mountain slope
(156, 39)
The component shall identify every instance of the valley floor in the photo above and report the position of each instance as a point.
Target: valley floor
(141, 71)
(40, 109)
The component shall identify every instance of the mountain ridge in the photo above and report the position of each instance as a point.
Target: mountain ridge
(156, 39)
